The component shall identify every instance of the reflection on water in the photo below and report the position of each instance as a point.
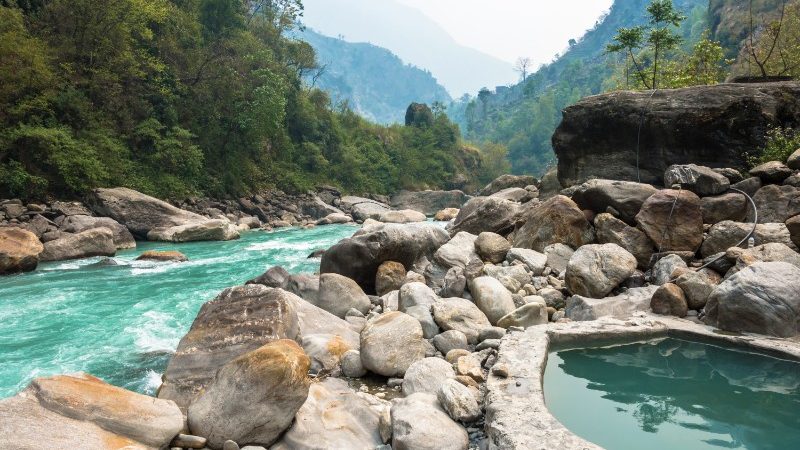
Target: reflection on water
(674, 394)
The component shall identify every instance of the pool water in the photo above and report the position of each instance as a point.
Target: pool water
(673, 394)
(122, 322)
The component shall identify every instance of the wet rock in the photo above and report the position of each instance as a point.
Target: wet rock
(611, 230)
(338, 294)
(491, 297)
(239, 320)
(402, 216)
(731, 206)
(458, 401)
(392, 342)
(699, 179)
(419, 423)
(761, 298)
(19, 250)
(771, 172)
(359, 257)
(333, 416)
(621, 306)
(595, 270)
(558, 220)
(450, 340)
(94, 242)
(526, 316)
(166, 256)
(228, 408)
(208, 230)
(275, 277)
(669, 300)
(80, 411)
(725, 235)
(776, 204)
(460, 315)
(492, 247)
(673, 220)
(481, 214)
(390, 277)
(426, 375)
(123, 239)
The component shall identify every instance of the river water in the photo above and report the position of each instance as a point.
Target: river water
(122, 322)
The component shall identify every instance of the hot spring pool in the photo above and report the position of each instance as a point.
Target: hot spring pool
(673, 394)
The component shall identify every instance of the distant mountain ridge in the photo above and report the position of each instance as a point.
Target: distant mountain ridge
(375, 82)
(412, 36)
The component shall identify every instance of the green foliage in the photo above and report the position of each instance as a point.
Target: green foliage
(177, 98)
(419, 115)
(781, 143)
(773, 49)
(706, 64)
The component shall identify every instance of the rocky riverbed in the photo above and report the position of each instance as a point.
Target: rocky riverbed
(421, 311)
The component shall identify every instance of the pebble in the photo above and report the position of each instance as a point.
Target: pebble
(394, 382)
(500, 370)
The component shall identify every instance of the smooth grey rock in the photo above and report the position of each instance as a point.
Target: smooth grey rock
(533, 260)
(337, 294)
(699, 179)
(625, 197)
(558, 256)
(794, 160)
(595, 270)
(363, 208)
(228, 409)
(771, 172)
(762, 298)
(416, 294)
(491, 333)
(123, 239)
(458, 251)
(305, 286)
(621, 306)
(725, 235)
(428, 202)
(516, 194)
(188, 441)
(450, 340)
(274, 277)
(230, 445)
(419, 423)
(94, 242)
(492, 247)
(423, 314)
(460, 315)
(663, 269)
(392, 342)
(402, 216)
(458, 401)
(697, 286)
(526, 316)
(207, 230)
(351, 364)
(491, 297)
(426, 375)
(488, 343)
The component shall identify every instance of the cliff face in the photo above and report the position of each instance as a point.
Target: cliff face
(708, 125)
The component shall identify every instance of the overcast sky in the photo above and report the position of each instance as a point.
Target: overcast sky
(509, 29)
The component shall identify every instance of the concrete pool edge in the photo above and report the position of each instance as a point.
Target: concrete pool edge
(516, 414)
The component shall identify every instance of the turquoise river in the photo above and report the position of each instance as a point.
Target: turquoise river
(121, 322)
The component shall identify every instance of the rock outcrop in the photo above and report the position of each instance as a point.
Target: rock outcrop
(94, 242)
(714, 126)
(486, 214)
(558, 220)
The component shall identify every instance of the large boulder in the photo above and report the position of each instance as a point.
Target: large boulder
(363, 208)
(142, 214)
(492, 298)
(621, 306)
(595, 270)
(461, 315)
(94, 242)
(390, 343)
(492, 247)
(727, 234)
(669, 300)
(481, 214)
(731, 206)
(123, 238)
(428, 202)
(518, 195)
(19, 250)
(625, 197)
(762, 298)
(359, 257)
(253, 398)
(776, 204)
(458, 401)
(420, 423)
(80, 411)
(611, 230)
(771, 172)
(508, 181)
(673, 220)
(427, 375)
(241, 319)
(458, 251)
(558, 220)
(793, 227)
(333, 416)
(715, 126)
(390, 277)
(793, 162)
(338, 294)
(402, 216)
(699, 179)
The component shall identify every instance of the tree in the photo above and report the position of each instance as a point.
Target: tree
(655, 39)
(768, 41)
(706, 64)
(419, 115)
(523, 65)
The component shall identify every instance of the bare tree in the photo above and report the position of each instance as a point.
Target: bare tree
(523, 65)
(770, 35)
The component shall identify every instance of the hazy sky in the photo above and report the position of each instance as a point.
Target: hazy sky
(509, 29)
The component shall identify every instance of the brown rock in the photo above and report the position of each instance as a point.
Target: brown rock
(673, 220)
(19, 250)
(669, 300)
(390, 276)
(731, 206)
(776, 203)
(793, 225)
(611, 230)
(153, 255)
(771, 172)
(558, 220)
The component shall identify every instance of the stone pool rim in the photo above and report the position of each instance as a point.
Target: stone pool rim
(517, 416)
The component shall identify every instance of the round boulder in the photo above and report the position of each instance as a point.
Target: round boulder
(19, 250)
(491, 297)
(427, 375)
(492, 247)
(673, 220)
(337, 294)
(419, 422)
(390, 277)
(390, 343)
(669, 300)
(595, 270)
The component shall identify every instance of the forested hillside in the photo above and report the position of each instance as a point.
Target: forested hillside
(374, 81)
(523, 117)
(189, 97)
